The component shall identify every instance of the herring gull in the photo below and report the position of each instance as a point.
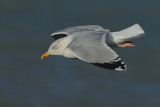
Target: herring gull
(94, 44)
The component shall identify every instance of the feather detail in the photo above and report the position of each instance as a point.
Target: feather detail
(127, 34)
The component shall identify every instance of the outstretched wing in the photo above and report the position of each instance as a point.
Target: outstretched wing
(91, 47)
(69, 31)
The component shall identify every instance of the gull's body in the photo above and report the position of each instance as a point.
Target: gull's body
(93, 44)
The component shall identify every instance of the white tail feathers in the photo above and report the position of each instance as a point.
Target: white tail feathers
(127, 34)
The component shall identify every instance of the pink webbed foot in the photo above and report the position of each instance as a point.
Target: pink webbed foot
(126, 44)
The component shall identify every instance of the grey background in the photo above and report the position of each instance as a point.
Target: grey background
(28, 81)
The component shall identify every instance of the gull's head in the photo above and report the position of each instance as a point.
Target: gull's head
(54, 49)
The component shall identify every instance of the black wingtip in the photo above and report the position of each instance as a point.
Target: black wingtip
(58, 36)
(117, 65)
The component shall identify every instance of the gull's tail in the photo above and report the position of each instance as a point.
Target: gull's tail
(128, 34)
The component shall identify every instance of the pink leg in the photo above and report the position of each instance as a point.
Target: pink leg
(126, 44)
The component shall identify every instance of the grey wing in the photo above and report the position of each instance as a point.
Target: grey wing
(69, 31)
(91, 47)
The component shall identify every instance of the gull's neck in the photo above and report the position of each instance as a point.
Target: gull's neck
(63, 50)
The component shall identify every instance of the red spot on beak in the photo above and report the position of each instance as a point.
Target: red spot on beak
(45, 55)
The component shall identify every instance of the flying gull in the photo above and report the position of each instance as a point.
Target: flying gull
(94, 44)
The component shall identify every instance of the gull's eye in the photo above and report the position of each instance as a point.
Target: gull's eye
(54, 47)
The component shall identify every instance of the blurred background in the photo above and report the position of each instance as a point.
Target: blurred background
(28, 81)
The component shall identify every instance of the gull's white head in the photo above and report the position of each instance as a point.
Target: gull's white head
(56, 48)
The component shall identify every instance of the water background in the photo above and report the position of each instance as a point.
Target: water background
(28, 81)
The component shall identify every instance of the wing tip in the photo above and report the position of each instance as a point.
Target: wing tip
(118, 65)
(58, 35)
(121, 68)
(111, 66)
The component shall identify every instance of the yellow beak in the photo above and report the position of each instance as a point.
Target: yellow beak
(45, 55)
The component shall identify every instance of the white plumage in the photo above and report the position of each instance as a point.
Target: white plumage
(128, 34)
(93, 44)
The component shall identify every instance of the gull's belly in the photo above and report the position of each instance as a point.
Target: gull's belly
(68, 53)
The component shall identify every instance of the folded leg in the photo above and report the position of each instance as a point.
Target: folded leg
(126, 44)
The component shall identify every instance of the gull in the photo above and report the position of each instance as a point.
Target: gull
(94, 44)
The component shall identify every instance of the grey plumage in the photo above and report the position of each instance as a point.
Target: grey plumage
(93, 43)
